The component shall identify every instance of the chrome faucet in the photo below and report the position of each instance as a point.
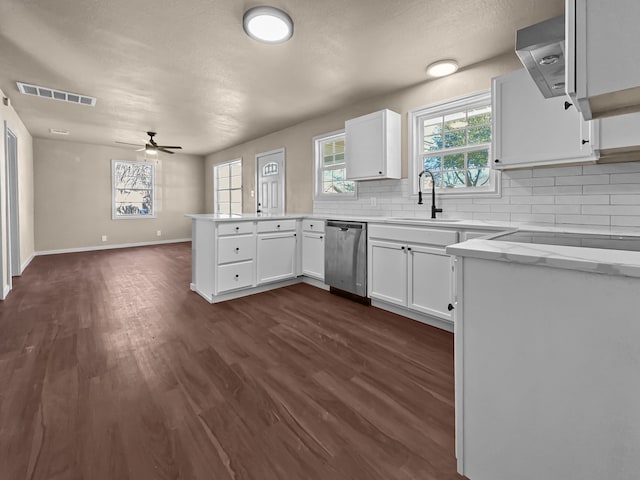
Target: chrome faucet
(434, 210)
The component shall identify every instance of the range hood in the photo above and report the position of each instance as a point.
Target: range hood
(540, 48)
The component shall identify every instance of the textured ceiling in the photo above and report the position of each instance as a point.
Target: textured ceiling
(187, 70)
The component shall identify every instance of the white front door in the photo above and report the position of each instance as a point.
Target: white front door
(270, 180)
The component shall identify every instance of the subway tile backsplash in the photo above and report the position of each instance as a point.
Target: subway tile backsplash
(607, 194)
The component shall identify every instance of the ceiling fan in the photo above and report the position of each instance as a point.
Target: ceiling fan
(151, 146)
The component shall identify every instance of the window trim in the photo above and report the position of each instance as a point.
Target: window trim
(444, 108)
(113, 191)
(215, 189)
(317, 169)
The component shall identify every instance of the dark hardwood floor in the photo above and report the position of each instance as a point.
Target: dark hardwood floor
(110, 368)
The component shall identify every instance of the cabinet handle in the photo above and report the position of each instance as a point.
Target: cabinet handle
(567, 105)
(450, 307)
(237, 228)
(277, 226)
(321, 237)
(295, 234)
(496, 161)
(585, 141)
(401, 248)
(379, 173)
(237, 249)
(311, 225)
(237, 276)
(409, 248)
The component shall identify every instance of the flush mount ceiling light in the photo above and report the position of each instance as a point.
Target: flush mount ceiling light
(442, 68)
(267, 24)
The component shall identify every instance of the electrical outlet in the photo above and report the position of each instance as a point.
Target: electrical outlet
(104, 238)
(158, 233)
(374, 201)
(253, 193)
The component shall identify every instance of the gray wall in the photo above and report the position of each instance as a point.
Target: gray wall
(297, 140)
(73, 196)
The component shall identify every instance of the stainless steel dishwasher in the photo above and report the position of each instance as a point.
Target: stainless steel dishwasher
(345, 257)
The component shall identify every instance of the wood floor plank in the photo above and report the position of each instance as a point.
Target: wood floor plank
(111, 368)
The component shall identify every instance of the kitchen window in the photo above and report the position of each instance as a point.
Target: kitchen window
(227, 181)
(453, 140)
(331, 182)
(133, 194)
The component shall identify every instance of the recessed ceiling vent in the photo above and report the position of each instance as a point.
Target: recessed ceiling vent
(56, 94)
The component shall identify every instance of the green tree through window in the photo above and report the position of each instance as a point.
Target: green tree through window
(454, 144)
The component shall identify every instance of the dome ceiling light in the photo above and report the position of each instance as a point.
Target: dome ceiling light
(442, 68)
(267, 24)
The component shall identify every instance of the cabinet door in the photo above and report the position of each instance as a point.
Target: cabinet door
(430, 281)
(234, 276)
(530, 130)
(388, 272)
(276, 257)
(372, 146)
(313, 255)
(602, 56)
(236, 249)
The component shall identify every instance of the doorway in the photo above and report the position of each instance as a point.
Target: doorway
(270, 175)
(13, 261)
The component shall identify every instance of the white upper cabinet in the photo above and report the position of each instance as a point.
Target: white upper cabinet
(603, 56)
(372, 146)
(530, 130)
(620, 137)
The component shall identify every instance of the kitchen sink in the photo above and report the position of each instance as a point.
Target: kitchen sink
(422, 219)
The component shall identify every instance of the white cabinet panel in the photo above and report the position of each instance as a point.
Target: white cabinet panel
(236, 249)
(372, 146)
(234, 276)
(313, 226)
(388, 272)
(529, 130)
(602, 56)
(313, 255)
(276, 257)
(235, 228)
(430, 281)
(276, 225)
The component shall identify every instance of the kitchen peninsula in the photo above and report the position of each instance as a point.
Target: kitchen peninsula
(547, 357)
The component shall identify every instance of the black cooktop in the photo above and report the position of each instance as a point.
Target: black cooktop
(610, 242)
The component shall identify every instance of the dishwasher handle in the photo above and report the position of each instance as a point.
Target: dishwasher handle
(344, 226)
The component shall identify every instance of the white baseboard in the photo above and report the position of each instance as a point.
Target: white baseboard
(5, 291)
(109, 247)
(27, 262)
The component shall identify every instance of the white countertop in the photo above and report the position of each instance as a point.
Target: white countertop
(595, 260)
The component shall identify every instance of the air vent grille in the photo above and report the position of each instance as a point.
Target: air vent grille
(56, 94)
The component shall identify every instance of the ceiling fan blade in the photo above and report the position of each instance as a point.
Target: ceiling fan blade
(126, 143)
(167, 146)
(141, 149)
(161, 149)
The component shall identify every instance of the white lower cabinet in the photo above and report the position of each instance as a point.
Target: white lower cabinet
(430, 281)
(313, 255)
(276, 256)
(388, 272)
(234, 276)
(412, 275)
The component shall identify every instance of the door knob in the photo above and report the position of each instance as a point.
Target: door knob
(450, 307)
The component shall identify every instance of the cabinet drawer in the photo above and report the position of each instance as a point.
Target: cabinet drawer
(276, 225)
(236, 249)
(425, 235)
(235, 228)
(234, 276)
(313, 225)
